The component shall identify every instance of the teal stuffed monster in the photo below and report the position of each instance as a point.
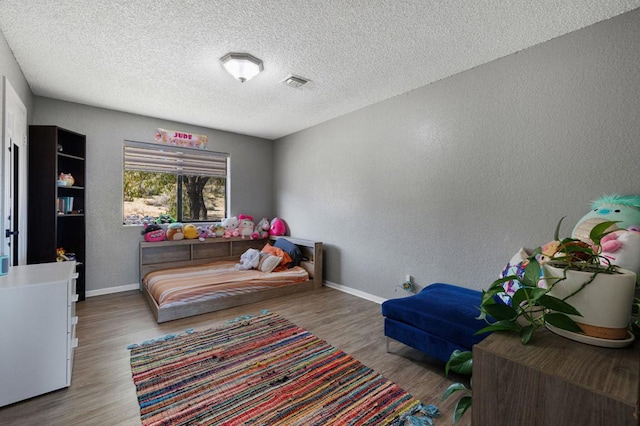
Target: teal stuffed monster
(625, 209)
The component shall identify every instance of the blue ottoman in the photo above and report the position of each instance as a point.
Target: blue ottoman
(436, 321)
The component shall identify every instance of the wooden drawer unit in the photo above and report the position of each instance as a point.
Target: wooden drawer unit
(554, 381)
(37, 329)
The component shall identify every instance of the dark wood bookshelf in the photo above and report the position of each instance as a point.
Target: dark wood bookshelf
(54, 150)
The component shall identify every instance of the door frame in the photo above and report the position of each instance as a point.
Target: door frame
(14, 113)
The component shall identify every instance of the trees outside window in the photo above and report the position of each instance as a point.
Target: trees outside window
(190, 185)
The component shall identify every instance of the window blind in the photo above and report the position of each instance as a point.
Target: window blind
(146, 157)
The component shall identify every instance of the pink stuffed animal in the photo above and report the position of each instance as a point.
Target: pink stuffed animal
(245, 226)
(153, 232)
(622, 248)
(278, 227)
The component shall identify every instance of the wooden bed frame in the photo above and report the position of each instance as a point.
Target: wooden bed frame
(171, 254)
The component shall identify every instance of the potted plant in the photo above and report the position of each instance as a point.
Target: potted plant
(548, 288)
(543, 298)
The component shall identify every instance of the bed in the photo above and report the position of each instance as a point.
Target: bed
(189, 277)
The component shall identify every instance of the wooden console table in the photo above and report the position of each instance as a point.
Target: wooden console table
(554, 381)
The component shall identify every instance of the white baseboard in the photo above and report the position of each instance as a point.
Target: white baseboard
(110, 290)
(354, 292)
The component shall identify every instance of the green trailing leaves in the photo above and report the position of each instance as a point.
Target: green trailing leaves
(526, 333)
(505, 325)
(558, 305)
(459, 362)
(461, 407)
(562, 321)
(531, 274)
(453, 388)
(500, 311)
(600, 230)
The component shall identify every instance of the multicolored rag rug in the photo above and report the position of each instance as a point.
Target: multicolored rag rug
(263, 370)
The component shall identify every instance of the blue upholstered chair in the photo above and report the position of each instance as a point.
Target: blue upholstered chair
(436, 321)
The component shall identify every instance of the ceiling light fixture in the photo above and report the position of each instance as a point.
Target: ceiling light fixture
(241, 66)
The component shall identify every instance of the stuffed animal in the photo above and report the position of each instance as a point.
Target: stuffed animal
(622, 248)
(175, 232)
(245, 226)
(165, 218)
(204, 233)
(60, 255)
(262, 229)
(230, 227)
(148, 219)
(278, 227)
(153, 232)
(132, 219)
(249, 259)
(216, 230)
(190, 231)
(625, 209)
(67, 179)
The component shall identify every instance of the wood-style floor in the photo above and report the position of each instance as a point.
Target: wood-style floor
(102, 392)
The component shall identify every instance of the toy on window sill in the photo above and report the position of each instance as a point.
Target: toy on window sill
(216, 230)
(133, 219)
(278, 227)
(153, 232)
(165, 218)
(231, 227)
(245, 226)
(175, 232)
(190, 231)
(262, 229)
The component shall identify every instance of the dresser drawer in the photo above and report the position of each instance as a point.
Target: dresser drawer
(73, 297)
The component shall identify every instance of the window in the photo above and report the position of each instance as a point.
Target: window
(188, 184)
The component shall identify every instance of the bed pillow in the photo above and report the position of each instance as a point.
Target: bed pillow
(292, 250)
(268, 262)
(277, 251)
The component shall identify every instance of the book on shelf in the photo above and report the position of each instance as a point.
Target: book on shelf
(65, 205)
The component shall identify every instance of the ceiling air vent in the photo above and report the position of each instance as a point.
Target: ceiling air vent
(295, 81)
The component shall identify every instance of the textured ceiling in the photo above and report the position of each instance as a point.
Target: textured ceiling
(160, 57)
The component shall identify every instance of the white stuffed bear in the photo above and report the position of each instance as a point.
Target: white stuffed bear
(249, 260)
(230, 227)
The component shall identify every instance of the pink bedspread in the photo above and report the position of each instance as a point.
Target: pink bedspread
(187, 284)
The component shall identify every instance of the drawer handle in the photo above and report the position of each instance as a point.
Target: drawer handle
(74, 343)
(75, 276)
(74, 298)
(74, 320)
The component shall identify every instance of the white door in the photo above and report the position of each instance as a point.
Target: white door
(14, 154)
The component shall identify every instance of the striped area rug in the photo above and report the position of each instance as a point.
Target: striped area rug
(263, 370)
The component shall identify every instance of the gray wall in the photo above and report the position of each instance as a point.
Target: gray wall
(112, 249)
(446, 182)
(9, 68)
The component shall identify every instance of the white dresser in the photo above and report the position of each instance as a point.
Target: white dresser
(37, 329)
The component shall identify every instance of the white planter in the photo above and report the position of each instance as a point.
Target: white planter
(605, 303)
